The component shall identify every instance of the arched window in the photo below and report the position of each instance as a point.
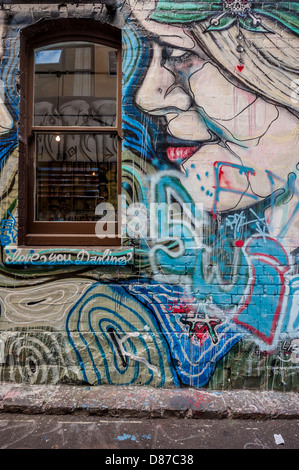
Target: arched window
(70, 132)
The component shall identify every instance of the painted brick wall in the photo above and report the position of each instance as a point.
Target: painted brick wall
(207, 292)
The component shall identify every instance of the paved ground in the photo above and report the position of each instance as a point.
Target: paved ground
(144, 437)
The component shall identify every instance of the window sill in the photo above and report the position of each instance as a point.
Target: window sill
(71, 256)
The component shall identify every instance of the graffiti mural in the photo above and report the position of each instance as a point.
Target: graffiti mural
(204, 291)
(217, 109)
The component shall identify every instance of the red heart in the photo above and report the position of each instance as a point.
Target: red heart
(240, 67)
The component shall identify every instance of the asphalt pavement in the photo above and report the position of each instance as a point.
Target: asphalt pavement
(177, 441)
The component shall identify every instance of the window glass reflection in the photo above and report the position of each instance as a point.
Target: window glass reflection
(75, 85)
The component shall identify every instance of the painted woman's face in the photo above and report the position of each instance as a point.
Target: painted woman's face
(228, 141)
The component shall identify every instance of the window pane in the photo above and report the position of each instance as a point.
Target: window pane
(75, 84)
(74, 173)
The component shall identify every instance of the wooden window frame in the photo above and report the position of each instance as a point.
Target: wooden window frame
(51, 233)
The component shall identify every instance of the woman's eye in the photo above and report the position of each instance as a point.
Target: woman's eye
(178, 53)
(174, 55)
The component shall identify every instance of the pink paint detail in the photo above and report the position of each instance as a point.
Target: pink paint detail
(222, 180)
(223, 183)
(238, 319)
(180, 153)
(281, 270)
(12, 394)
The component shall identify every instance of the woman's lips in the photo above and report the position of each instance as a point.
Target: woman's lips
(180, 153)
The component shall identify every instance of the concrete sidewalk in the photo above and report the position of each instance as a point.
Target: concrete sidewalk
(147, 402)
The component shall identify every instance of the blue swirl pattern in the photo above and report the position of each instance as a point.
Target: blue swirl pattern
(116, 339)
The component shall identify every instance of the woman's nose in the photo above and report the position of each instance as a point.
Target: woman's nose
(159, 89)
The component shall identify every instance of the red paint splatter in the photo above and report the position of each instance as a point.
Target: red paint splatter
(239, 243)
(180, 309)
(240, 67)
(200, 333)
(183, 308)
(223, 181)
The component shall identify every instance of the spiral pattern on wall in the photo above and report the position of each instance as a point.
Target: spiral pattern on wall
(35, 356)
(116, 340)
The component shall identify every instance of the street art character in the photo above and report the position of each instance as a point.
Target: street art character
(226, 125)
(219, 111)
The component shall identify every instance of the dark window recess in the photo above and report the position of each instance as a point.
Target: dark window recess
(70, 189)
